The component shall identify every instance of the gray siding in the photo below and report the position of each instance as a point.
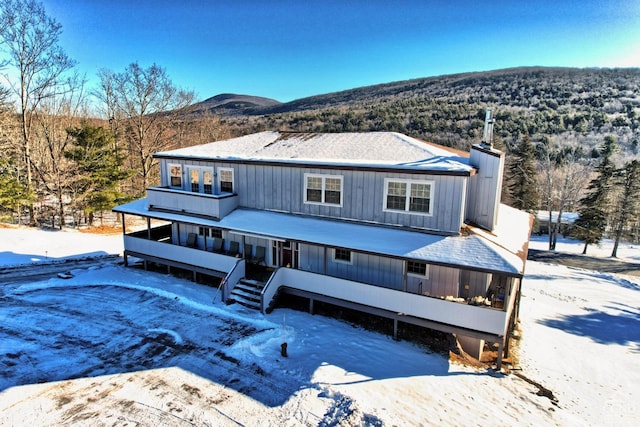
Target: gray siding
(281, 189)
(485, 188)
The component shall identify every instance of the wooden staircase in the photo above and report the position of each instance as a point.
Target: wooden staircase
(247, 293)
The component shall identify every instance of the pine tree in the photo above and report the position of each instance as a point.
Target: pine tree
(592, 220)
(522, 177)
(96, 186)
(628, 206)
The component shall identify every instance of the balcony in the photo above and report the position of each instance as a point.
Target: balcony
(209, 205)
(401, 304)
(155, 245)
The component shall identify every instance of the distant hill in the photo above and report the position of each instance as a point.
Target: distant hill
(229, 104)
(572, 107)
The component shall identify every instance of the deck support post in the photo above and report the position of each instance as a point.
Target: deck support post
(500, 351)
(310, 305)
(395, 329)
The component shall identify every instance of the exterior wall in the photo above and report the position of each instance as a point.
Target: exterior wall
(281, 189)
(485, 188)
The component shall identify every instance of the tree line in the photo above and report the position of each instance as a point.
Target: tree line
(58, 160)
(69, 152)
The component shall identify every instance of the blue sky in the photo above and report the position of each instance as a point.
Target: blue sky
(289, 49)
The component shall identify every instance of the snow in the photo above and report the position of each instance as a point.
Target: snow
(480, 252)
(115, 345)
(358, 149)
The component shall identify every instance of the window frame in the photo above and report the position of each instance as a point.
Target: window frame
(417, 274)
(323, 189)
(342, 260)
(407, 196)
(233, 182)
(201, 171)
(170, 176)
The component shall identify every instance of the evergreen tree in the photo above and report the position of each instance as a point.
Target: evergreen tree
(628, 206)
(96, 185)
(13, 193)
(592, 220)
(522, 176)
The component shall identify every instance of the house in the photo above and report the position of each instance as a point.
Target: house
(375, 221)
(541, 224)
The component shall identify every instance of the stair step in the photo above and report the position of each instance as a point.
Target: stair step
(248, 304)
(248, 288)
(246, 295)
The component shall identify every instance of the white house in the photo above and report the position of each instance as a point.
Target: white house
(375, 221)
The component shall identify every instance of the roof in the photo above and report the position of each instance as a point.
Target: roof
(355, 149)
(567, 217)
(474, 252)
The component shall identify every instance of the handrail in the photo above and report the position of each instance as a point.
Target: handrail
(233, 276)
(266, 287)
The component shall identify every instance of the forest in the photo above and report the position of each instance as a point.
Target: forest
(69, 152)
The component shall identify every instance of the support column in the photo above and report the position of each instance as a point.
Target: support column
(472, 346)
(148, 228)
(395, 329)
(404, 275)
(500, 350)
(310, 305)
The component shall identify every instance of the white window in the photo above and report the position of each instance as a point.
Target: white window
(207, 181)
(226, 180)
(416, 268)
(342, 255)
(175, 176)
(408, 196)
(323, 189)
(200, 180)
(195, 180)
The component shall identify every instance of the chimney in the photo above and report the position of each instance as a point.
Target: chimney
(485, 187)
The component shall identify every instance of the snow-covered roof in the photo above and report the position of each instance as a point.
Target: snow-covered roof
(357, 149)
(474, 251)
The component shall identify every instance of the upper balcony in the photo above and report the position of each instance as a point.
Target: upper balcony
(198, 204)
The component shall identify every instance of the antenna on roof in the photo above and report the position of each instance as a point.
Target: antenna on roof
(487, 136)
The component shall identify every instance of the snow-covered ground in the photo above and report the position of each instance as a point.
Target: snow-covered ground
(120, 346)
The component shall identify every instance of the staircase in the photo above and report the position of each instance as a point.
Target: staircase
(247, 293)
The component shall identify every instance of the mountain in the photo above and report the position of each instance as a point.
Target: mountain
(570, 107)
(229, 104)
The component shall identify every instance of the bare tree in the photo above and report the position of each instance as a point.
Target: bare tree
(143, 106)
(31, 39)
(53, 170)
(562, 181)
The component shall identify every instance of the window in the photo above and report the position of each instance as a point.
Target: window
(195, 180)
(342, 255)
(417, 268)
(175, 176)
(226, 180)
(408, 196)
(207, 181)
(323, 189)
(210, 232)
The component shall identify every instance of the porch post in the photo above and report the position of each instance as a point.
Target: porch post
(124, 227)
(324, 261)
(404, 275)
(500, 351)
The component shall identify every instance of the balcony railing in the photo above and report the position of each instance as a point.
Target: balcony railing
(404, 303)
(138, 243)
(210, 205)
